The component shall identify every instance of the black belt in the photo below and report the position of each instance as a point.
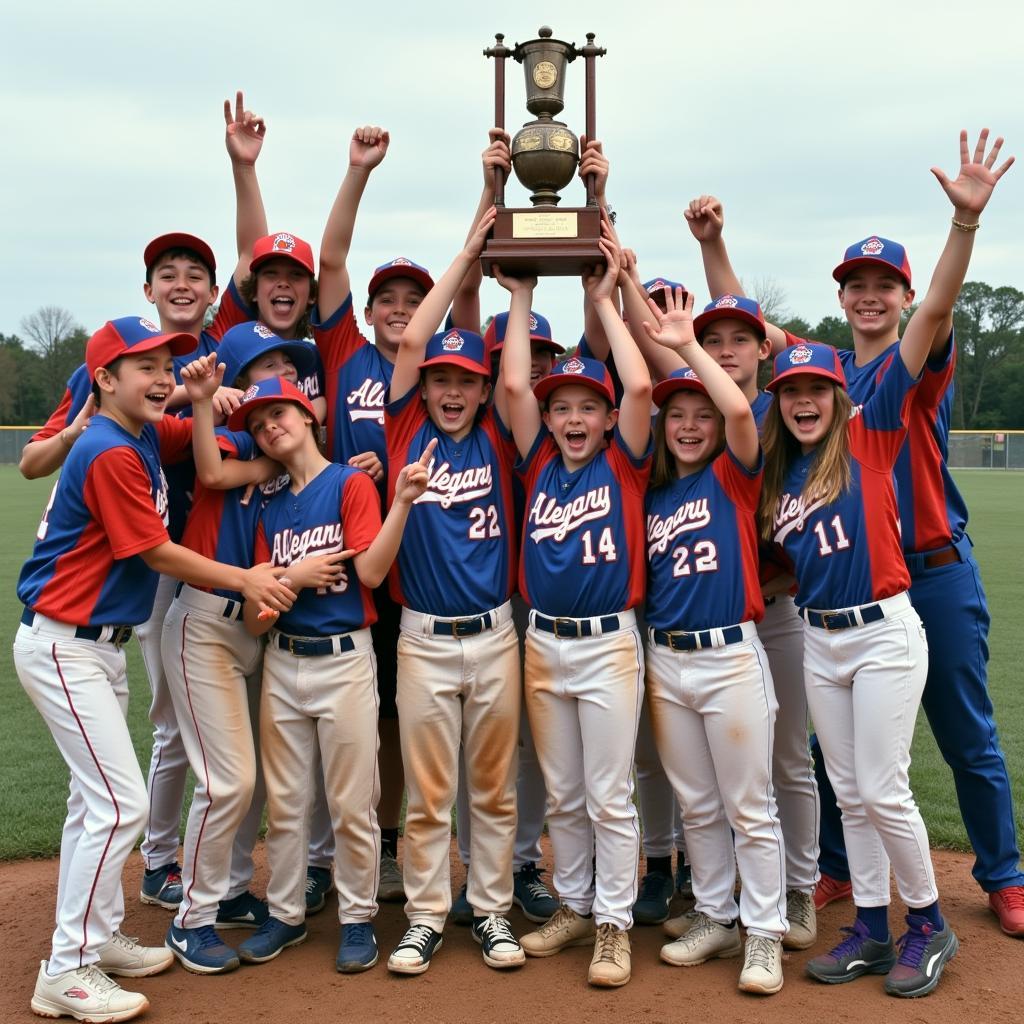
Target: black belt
(573, 629)
(678, 640)
(231, 610)
(464, 627)
(119, 635)
(302, 647)
(843, 620)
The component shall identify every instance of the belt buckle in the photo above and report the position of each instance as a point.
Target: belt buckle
(291, 646)
(672, 635)
(827, 616)
(120, 636)
(574, 625)
(465, 627)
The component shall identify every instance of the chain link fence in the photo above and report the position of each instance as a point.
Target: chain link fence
(986, 449)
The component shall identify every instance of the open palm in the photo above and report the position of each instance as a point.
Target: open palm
(973, 186)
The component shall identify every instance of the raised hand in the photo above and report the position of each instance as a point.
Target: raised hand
(369, 462)
(705, 217)
(970, 191)
(497, 154)
(674, 327)
(475, 242)
(226, 401)
(368, 147)
(202, 377)
(593, 161)
(244, 132)
(513, 284)
(413, 479)
(599, 282)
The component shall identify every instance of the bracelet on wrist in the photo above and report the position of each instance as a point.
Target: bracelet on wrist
(962, 226)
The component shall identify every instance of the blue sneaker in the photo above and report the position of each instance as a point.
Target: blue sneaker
(201, 950)
(462, 912)
(651, 907)
(242, 911)
(531, 895)
(273, 936)
(161, 887)
(923, 953)
(358, 949)
(412, 954)
(319, 882)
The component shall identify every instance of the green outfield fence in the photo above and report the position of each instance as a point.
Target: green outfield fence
(968, 449)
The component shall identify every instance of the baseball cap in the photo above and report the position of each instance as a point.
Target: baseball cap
(282, 244)
(683, 379)
(658, 284)
(591, 373)
(247, 342)
(179, 240)
(456, 348)
(398, 267)
(730, 307)
(275, 389)
(808, 357)
(131, 336)
(875, 251)
(540, 332)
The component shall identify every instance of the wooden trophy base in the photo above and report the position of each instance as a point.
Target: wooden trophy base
(544, 241)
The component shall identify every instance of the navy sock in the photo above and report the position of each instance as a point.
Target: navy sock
(876, 919)
(389, 842)
(663, 865)
(931, 912)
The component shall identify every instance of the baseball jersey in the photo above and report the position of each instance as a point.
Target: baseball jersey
(582, 546)
(702, 564)
(458, 551)
(848, 553)
(109, 504)
(337, 510)
(760, 406)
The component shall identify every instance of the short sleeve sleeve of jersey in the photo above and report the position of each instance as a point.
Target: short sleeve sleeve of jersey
(539, 453)
(337, 337)
(742, 485)
(261, 549)
(119, 494)
(235, 444)
(75, 396)
(937, 377)
(233, 309)
(58, 419)
(632, 471)
(360, 511)
(793, 339)
(402, 418)
(175, 436)
(880, 427)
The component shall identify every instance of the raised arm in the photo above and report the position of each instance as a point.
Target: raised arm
(593, 161)
(519, 408)
(367, 148)
(243, 137)
(46, 456)
(928, 330)
(432, 309)
(638, 307)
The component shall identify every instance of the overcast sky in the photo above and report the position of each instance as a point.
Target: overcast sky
(815, 122)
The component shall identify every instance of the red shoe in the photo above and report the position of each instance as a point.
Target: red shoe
(1008, 905)
(829, 890)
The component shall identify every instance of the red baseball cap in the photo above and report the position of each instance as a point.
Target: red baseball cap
(456, 348)
(540, 334)
(179, 240)
(274, 389)
(131, 336)
(398, 267)
(683, 379)
(730, 307)
(287, 246)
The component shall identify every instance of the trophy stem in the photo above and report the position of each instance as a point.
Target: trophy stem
(499, 52)
(590, 52)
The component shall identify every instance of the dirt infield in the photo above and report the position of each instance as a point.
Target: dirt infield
(984, 983)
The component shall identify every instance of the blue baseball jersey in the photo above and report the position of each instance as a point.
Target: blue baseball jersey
(582, 546)
(702, 564)
(760, 406)
(458, 551)
(338, 510)
(848, 552)
(108, 505)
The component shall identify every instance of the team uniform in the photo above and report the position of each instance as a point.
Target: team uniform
(458, 660)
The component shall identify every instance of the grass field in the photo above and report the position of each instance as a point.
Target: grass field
(33, 779)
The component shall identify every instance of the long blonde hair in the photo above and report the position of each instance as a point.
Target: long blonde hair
(829, 475)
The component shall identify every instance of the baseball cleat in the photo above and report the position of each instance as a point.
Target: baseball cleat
(703, 940)
(127, 957)
(201, 950)
(358, 950)
(762, 966)
(830, 889)
(412, 955)
(803, 920)
(273, 937)
(856, 955)
(531, 895)
(161, 887)
(319, 882)
(1008, 905)
(86, 994)
(242, 911)
(499, 946)
(923, 953)
(611, 964)
(656, 890)
(565, 928)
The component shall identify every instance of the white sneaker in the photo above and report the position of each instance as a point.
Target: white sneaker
(704, 940)
(86, 994)
(803, 920)
(565, 928)
(500, 947)
(677, 927)
(127, 957)
(762, 966)
(611, 965)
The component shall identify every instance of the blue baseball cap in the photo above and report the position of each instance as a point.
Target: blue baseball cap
(874, 251)
(808, 357)
(591, 373)
(247, 342)
(456, 348)
(730, 307)
(131, 336)
(540, 332)
(662, 284)
(399, 267)
(683, 379)
(274, 389)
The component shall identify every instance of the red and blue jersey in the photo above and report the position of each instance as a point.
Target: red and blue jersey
(582, 547)
(702, 564)
(337, 510)
(760, 406)
(848, 553)
(109, 504)
(458, 551)
(357, 379)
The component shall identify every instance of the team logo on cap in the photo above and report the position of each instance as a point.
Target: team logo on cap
(263, 331)
(251, 393)
(149, 325)
(655, 285)
(452, 342)
(283, 243)
(727, 302)
(799, 355)
(401, 262)
(573, 366)
(872, 247)
(533, 323)
(688, 374)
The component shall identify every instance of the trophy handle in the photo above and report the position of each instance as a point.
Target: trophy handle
(590, 52)
(500, 52)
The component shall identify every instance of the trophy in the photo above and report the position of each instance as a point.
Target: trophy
(544, 239)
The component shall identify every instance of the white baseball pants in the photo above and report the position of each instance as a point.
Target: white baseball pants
(659, 809)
